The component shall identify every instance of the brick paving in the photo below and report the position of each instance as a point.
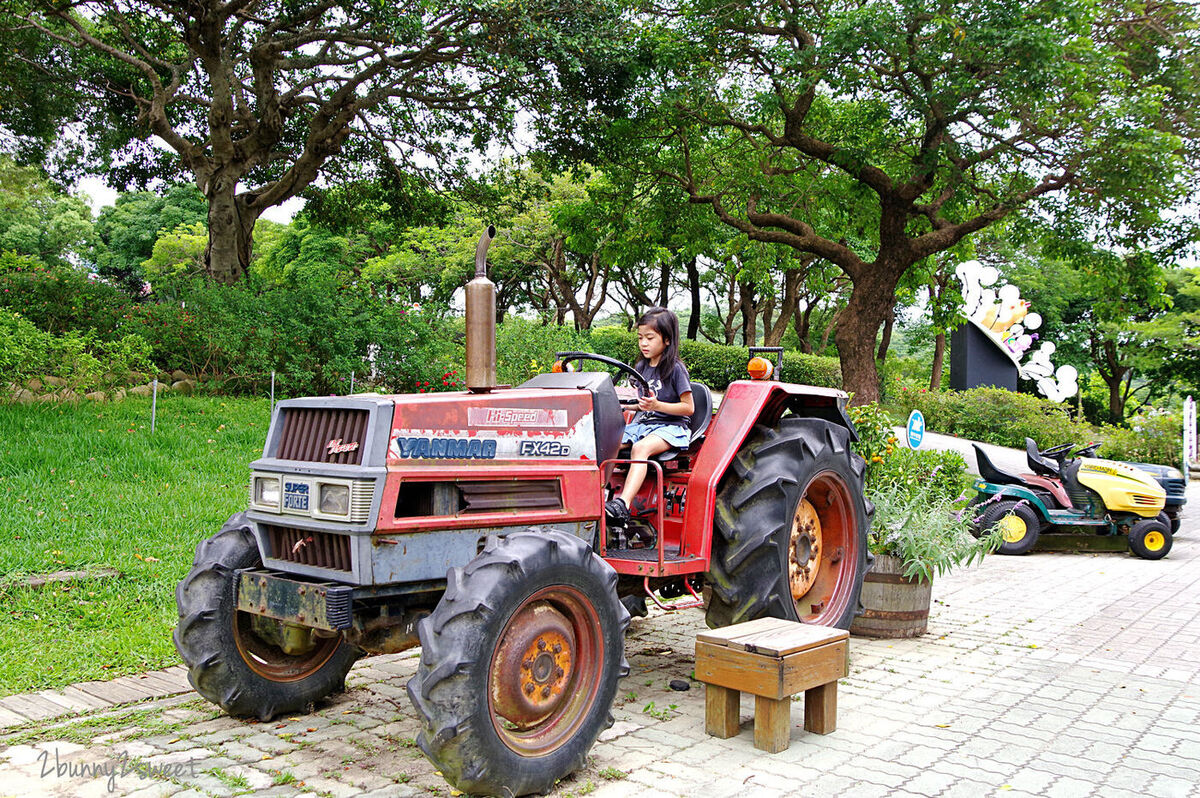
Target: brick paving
(1046, 675)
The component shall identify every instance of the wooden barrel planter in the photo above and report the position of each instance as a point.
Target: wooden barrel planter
(893, 606)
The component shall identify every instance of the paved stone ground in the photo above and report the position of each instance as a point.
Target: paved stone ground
(1048, 675)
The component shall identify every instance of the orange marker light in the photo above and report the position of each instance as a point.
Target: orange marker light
(559, 367)
(760, 368)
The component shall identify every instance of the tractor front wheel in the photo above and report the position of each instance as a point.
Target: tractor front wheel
(519, 664)
(236, 664)
(1019, 526)
(791, 528)
(1150, 539)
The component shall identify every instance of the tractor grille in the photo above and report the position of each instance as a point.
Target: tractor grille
(1142, 500)
(323, 434)
(513, 495)
(310, 547)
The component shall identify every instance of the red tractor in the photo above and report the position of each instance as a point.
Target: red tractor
(472, 524)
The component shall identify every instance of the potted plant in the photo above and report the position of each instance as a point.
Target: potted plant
(918, 532)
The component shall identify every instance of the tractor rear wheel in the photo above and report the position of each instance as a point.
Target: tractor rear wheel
(791, 528)
(1150, 539)
(229, 662)
(1019, 526)
(519, 664)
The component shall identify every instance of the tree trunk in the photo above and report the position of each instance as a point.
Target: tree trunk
(858, 324)
(939, 357)
(693, 276)
(888, 323)
(1115, 378)
(230, 232)
(749, 314)
(773, 333)
(802, 322)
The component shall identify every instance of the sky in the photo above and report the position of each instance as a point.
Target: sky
(102, 196)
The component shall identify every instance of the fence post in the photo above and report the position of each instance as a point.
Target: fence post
(154, 406)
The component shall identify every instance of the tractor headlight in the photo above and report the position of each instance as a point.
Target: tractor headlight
(335, 499)
(266, 491)
(1174, 473)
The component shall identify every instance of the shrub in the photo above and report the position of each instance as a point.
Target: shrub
(929, 533)
(717, 365)
(82, 360)
(994, 415)
(61, 298)
(525, 348)
(1154, 436)
(941, 475)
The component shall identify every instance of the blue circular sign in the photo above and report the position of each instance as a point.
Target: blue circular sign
(916, 429)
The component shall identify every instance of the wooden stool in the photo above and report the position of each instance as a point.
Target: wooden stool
(773, 660)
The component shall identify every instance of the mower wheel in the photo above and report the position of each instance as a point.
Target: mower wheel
(519, 664)
(1150, 539)
(1019, 526)
(791, 528)
(231, 665)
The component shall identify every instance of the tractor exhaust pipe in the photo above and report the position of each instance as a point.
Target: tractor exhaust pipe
(481, 321)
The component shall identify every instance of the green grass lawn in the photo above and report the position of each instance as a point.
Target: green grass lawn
(87, 486)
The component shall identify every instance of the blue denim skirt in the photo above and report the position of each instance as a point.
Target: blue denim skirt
(677, 436)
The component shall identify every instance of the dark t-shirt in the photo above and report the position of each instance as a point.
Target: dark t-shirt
(665, 389)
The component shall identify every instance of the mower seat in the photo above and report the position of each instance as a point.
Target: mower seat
(990, 473)
(1042, 466)
(702, 411)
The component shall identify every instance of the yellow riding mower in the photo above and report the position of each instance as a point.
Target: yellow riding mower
(1063, 491)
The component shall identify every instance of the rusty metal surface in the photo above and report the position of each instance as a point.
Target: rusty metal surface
(304, 603)
(533, 666)
(309, 547)
(804, 551)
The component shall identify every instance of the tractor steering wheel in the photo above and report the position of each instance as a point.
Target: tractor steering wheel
(1089, 450)
(640, 381)
(1058, 452)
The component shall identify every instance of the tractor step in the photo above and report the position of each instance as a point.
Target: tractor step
(647, 562)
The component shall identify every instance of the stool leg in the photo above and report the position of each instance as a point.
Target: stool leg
(772, 723)
(820, 708)
(722, 707)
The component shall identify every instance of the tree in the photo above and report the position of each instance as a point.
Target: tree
(930, 124)
(256, 97)
(1172, 338)
(128, 228)
(38, 220)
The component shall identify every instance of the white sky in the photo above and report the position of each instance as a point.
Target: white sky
(101, 196)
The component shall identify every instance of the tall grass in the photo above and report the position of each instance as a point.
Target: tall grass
(87, 486)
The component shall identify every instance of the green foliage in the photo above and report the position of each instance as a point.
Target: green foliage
(128, 229)
(716, 365)
(313, 335)
(38, 220)
(1154, 436)
(177, 257)
(525, 348)
(929, 533)
(937, 475)
(83, 361)
(994, 415)
(58, 299)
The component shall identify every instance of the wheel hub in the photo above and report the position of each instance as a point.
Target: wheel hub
(804, 553)
(1154, 540)
(533, 666)
(1012, 529)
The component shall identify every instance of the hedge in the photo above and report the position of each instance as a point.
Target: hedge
(716, 365)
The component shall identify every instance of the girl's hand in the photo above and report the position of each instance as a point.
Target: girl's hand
(648, 403)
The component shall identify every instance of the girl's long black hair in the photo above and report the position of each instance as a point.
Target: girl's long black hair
(667, 325)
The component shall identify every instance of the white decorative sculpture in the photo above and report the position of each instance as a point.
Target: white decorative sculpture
(1001, 313)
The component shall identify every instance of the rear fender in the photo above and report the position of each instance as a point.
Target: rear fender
(1013, 493)
(745, 404)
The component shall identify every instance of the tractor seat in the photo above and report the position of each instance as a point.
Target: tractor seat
(990, 473)
(1043, 466)
(702, 413)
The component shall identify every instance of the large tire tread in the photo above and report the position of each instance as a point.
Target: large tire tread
(204, 636)
(754, 508)
(456, 650)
